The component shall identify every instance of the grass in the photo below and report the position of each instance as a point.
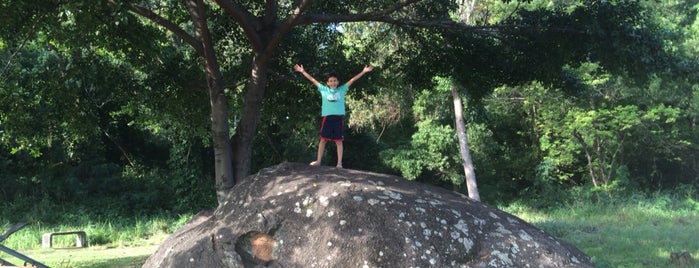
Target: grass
(94, 257)
(112, 243)
(636, 232)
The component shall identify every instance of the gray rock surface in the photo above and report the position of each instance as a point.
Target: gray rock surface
(295, 215)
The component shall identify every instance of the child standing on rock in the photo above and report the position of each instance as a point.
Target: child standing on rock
(333, 110)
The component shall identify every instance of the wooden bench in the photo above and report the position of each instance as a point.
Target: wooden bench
(80, 240)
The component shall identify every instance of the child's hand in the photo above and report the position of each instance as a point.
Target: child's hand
(367, 69)
(298, 68)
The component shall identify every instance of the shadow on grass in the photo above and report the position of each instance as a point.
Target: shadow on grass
(90, 257)
(126, 262)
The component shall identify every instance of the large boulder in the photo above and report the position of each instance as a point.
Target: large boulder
(295, 215)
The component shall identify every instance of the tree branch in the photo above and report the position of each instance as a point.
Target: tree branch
(370, 16)
(283, 28)
(246, 20)
(152, 16)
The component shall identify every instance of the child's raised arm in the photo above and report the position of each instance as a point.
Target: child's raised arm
(366, 69)
(299, 68)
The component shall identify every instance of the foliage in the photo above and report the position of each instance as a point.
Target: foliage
(106, 127)
(600, 96)
(432, 146)
(598, 136)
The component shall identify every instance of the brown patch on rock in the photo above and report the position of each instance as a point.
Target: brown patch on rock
(257, 247)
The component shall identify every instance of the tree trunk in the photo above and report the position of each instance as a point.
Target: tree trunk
(246, 128)
(588, 156)
(223, 164)
(463, 146)
(466, 10)
(221, 140)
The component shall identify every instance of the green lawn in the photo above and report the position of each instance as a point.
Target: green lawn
(641, 234)
(94, 257)
(117, 243)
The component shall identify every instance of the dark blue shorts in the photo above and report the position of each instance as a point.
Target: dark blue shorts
(331, 128)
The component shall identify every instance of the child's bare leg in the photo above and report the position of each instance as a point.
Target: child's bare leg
(319, 156)
(339, 153)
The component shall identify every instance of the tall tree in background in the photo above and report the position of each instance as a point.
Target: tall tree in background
(464, 14)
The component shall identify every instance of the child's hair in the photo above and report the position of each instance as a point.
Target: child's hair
(332, 75)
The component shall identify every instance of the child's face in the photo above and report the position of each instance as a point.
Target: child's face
(333, 82)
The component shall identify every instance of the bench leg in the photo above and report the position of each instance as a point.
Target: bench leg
(46, 240)
(81, 240)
